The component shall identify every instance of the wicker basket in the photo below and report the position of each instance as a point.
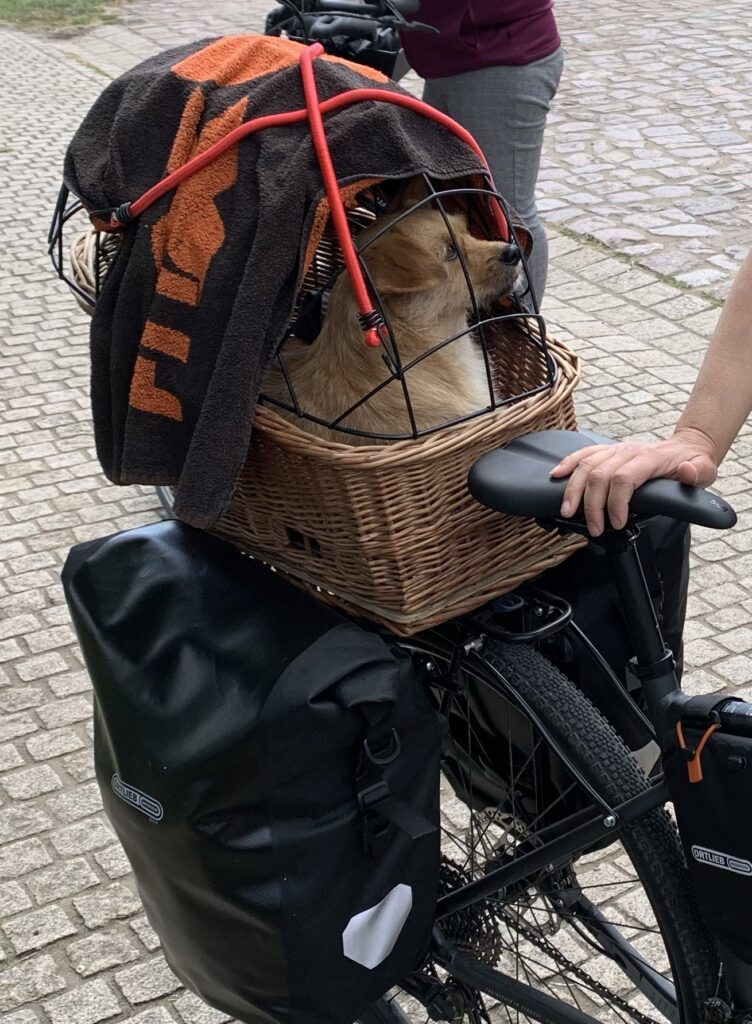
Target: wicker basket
(390, 531)
(90, 257)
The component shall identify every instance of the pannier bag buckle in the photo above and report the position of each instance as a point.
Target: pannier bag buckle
(373, 795)
(380, 810)
(375, 824)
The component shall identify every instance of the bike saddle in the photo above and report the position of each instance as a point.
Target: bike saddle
(516, 480)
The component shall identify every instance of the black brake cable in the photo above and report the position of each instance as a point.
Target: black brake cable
(298, 14)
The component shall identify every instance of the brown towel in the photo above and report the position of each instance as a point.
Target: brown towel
(204, 283)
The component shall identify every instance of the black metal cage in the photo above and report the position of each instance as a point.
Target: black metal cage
(511, 337)
(509, 332)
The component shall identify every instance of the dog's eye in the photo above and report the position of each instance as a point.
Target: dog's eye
(450, 253)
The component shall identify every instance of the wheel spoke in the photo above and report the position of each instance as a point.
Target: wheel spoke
(544, 930)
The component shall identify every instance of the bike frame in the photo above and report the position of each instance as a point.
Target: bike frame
(598, 825)
(459, 645)
(653, 665)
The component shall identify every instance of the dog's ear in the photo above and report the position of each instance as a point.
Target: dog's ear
(408, 195)
(399, 265)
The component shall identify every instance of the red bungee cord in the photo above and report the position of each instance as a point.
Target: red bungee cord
(313, 111)
(369, 319)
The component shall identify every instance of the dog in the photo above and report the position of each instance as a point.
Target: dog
(416, 269)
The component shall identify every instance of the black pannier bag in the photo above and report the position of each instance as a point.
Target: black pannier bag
(271, 770)
(709, 775)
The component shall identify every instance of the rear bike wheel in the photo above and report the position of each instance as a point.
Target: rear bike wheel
(615, 933)
(166, 497)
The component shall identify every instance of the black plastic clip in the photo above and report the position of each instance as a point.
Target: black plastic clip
(372, 795)
(375, 825)
(122, 215)
(452, 681)
(117, 216)
(380, 809)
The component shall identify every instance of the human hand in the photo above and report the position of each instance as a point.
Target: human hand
(605, 476)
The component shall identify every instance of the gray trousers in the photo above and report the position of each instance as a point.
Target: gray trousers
(505, 109)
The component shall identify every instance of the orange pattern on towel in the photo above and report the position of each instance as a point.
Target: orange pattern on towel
(187, 238)
(165, 339)
(146, 396)
(191, 233)
(233, 60)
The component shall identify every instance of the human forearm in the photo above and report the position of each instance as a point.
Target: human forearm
(606, 476)
(721, 399)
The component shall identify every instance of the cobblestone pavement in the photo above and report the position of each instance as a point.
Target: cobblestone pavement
(75, 947)
(649, 145)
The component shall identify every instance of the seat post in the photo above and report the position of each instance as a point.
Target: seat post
(653, 663)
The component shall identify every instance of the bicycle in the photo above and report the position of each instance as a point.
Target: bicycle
(539, 786)
(540, 793)
(547, 787)
(565, 894)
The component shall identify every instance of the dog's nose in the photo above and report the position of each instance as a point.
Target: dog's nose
(510, 253)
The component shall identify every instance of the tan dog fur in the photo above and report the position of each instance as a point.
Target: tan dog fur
(422, 285)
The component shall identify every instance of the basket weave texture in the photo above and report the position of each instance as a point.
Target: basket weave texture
(390, 531)
(90, 257)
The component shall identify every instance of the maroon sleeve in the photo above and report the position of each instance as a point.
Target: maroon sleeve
(475, 34)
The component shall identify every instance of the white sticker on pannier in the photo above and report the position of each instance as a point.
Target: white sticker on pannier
(716, 859)
(370, 935)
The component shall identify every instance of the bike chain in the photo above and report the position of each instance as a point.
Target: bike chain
(595, 986)
(476, 930)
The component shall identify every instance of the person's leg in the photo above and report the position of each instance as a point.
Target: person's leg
(505, 109)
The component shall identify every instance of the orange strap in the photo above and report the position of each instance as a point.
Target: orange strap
(372, 326)
(344, 99)
(369, 316)
(694, 765)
